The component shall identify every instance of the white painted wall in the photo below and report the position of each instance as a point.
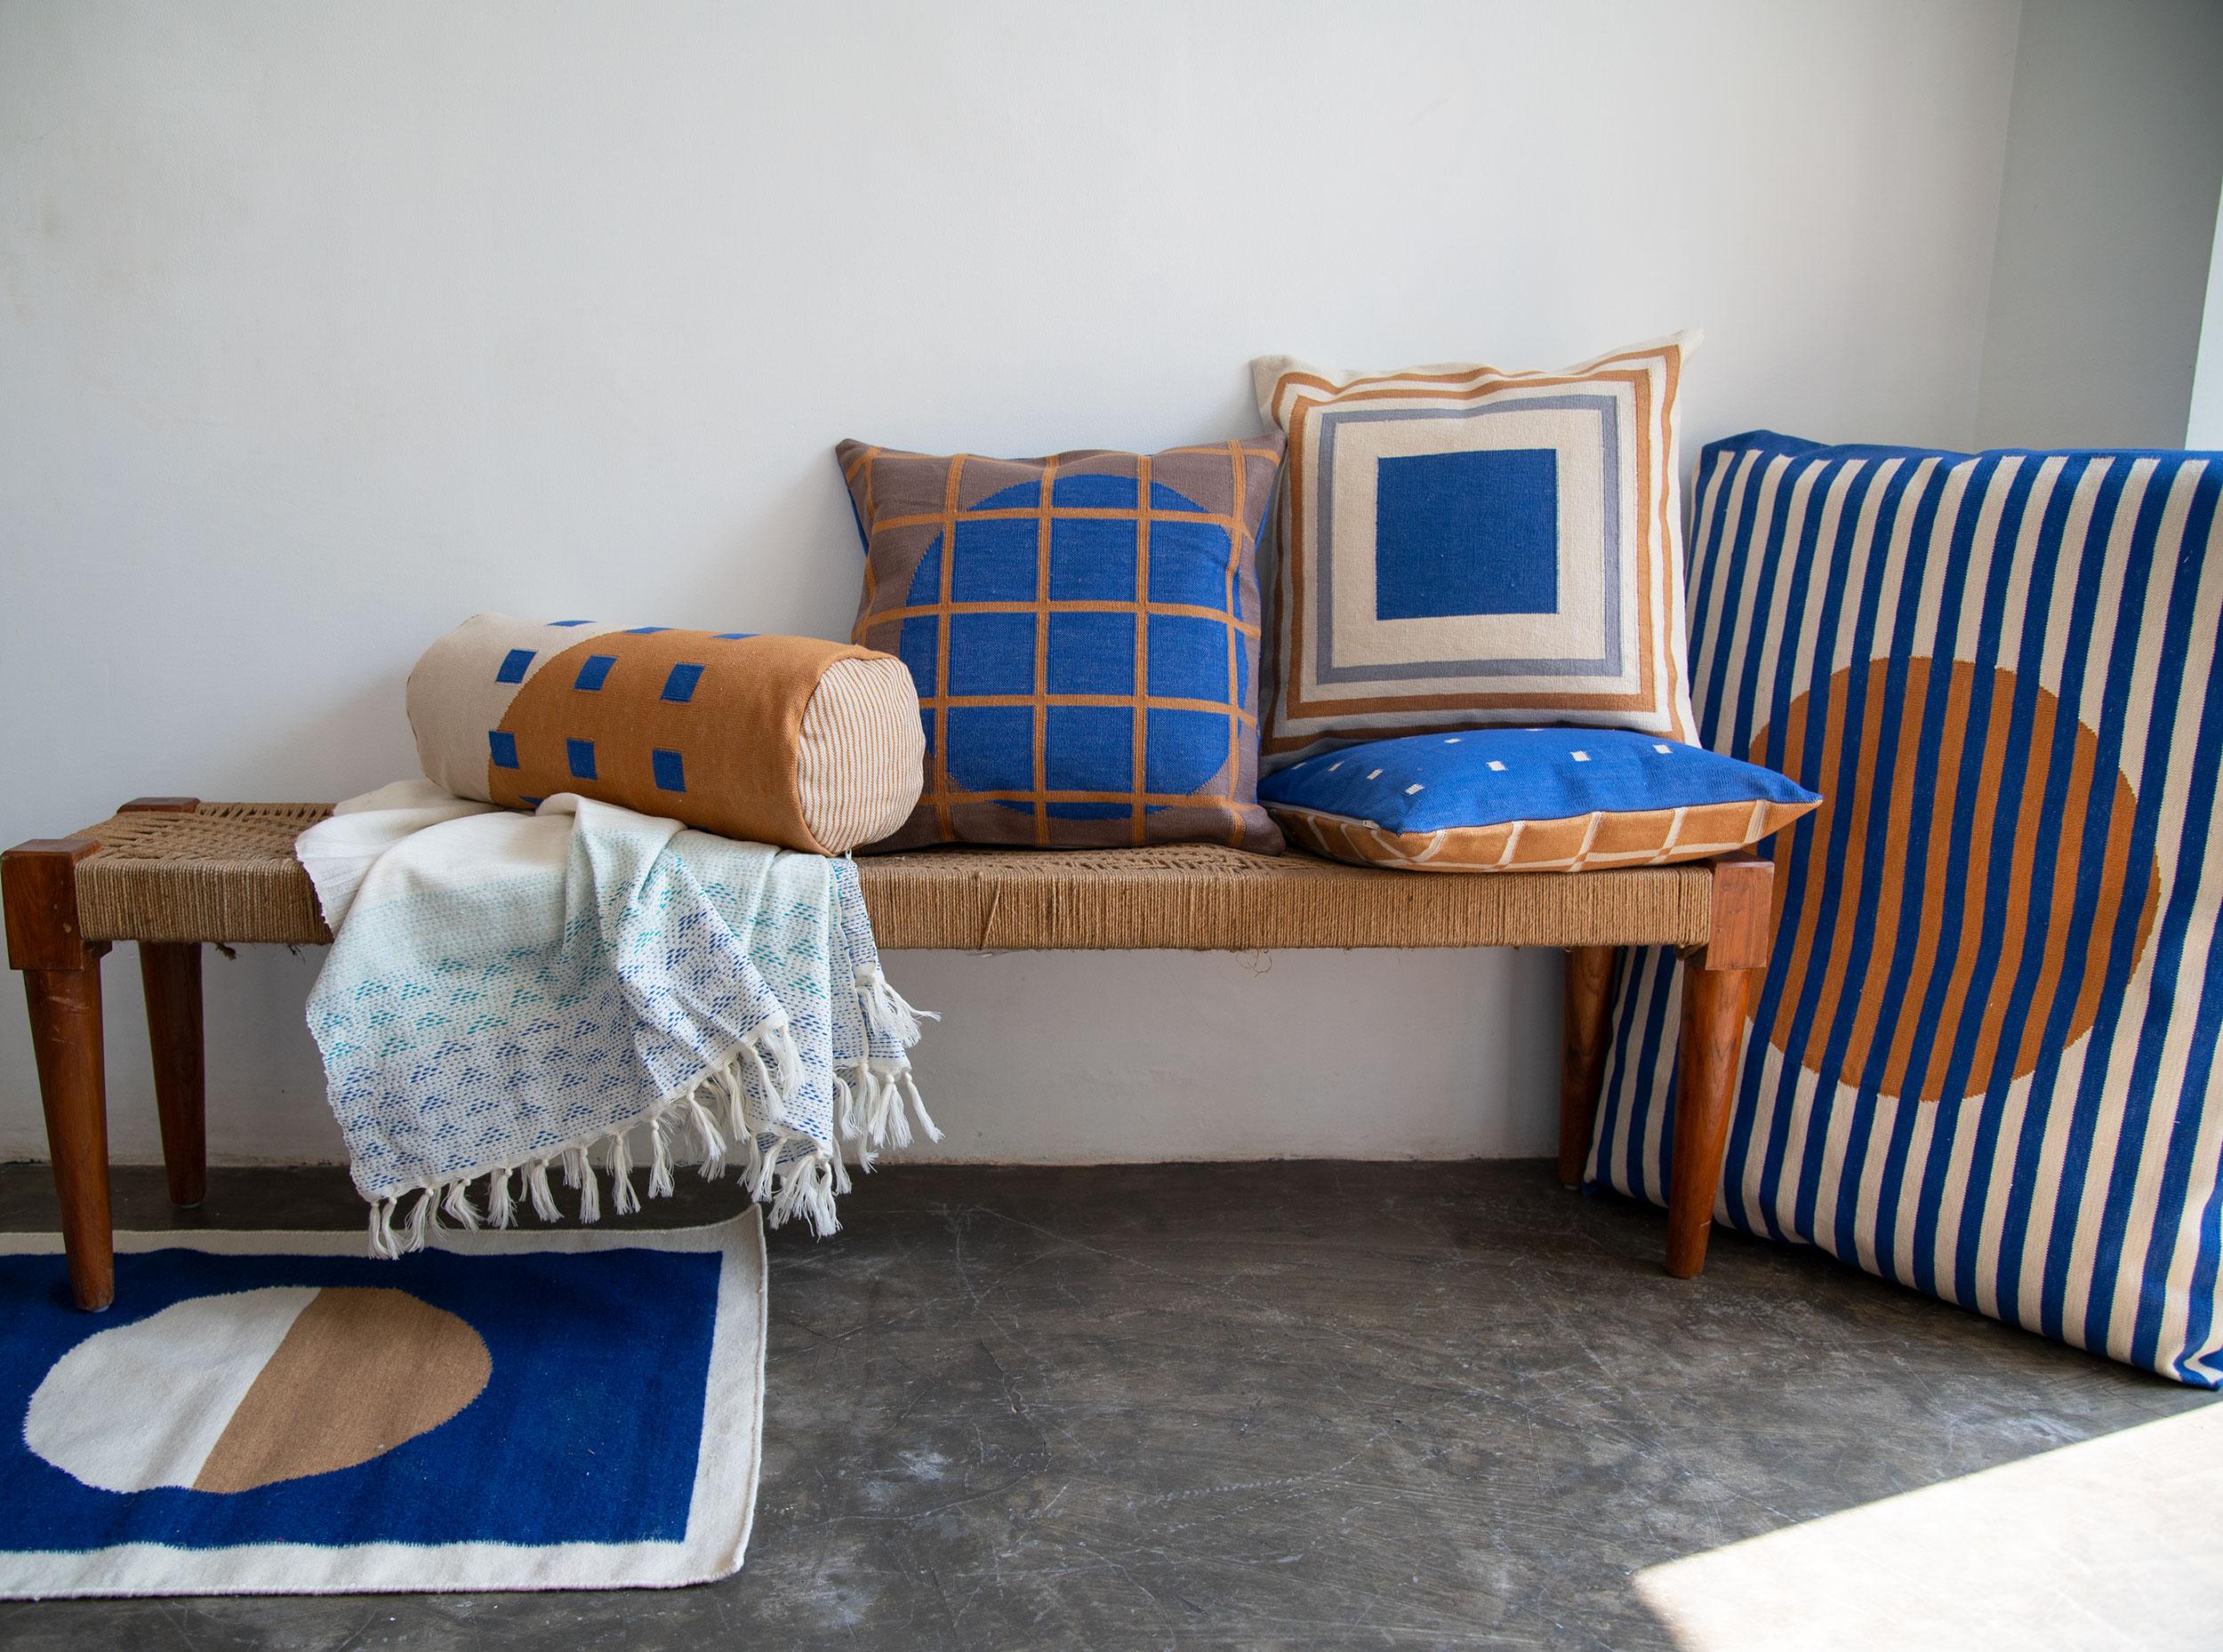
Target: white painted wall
(327, 325)
(2108, 216)
(2204, 425)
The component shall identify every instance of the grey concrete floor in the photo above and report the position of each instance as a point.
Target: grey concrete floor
(1277, 1405)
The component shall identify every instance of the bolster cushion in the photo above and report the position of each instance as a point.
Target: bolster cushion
(791, 741)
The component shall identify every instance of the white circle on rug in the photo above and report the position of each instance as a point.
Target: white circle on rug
(226, 1392)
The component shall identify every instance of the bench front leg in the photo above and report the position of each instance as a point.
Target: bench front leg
(1714, 1004)
(1719, 981)
(61, 979)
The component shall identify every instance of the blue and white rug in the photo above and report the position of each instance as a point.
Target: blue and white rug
(276, 1414)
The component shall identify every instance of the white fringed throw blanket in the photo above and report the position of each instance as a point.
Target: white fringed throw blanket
(587, 991)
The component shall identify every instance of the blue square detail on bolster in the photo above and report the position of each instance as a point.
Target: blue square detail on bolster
(571, 621)
(514, 665)
(1466, 532)
(671, 772)
(646, 630)
(732, 636)
(592, 670)
(580, 753)
(679, 686)
(502, 746)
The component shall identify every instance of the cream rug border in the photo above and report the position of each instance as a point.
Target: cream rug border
(724, 1476)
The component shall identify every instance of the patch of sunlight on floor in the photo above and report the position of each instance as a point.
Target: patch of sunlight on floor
(2111, 1542)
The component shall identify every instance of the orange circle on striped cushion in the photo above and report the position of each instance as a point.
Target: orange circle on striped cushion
(1953, 947)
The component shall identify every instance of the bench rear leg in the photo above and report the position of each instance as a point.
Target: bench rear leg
(61, 979)
(1718, 982)
(1583, 1040)
(170, 973)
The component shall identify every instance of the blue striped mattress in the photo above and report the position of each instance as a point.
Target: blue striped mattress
(1983, 1060)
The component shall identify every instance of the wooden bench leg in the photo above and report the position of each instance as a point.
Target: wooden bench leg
(1718, 982)
(170, 973)
(1714, 1004)
(1583, 1040)
(61, 979)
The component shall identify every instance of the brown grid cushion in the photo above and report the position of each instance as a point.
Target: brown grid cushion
(226, 871)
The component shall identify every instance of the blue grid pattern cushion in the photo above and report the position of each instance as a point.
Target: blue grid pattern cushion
(1083, 631)
(1529, 800)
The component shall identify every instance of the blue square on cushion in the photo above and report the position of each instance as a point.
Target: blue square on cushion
(1092, 654)
(992, 653)
(679, 686)
(592, 670)
(1470, 532)
(1092, 559)
(1089, 749)
(992, 748)
(1188, 563)
(581, 756)
(671, 770)
(1188, 658)
(513, 665)
(995, 561)
(1185, 750)
(501, 747)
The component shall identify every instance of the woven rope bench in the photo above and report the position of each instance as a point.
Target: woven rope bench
(173, 873)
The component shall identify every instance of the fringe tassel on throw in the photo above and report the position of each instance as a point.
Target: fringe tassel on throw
(873, 1103)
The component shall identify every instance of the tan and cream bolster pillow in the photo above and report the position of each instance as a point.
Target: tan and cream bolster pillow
(790, 740)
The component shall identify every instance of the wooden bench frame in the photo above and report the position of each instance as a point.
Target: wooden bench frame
(1723, 928)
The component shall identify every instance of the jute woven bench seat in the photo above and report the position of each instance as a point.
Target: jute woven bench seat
(171, 873)
(226, 871)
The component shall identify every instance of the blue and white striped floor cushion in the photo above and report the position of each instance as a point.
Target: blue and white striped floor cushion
(1983, 1060)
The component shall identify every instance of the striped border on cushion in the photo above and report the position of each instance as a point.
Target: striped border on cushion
(1984, 1058)
(1603, 840)
(857, 766)
(1463, 546)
